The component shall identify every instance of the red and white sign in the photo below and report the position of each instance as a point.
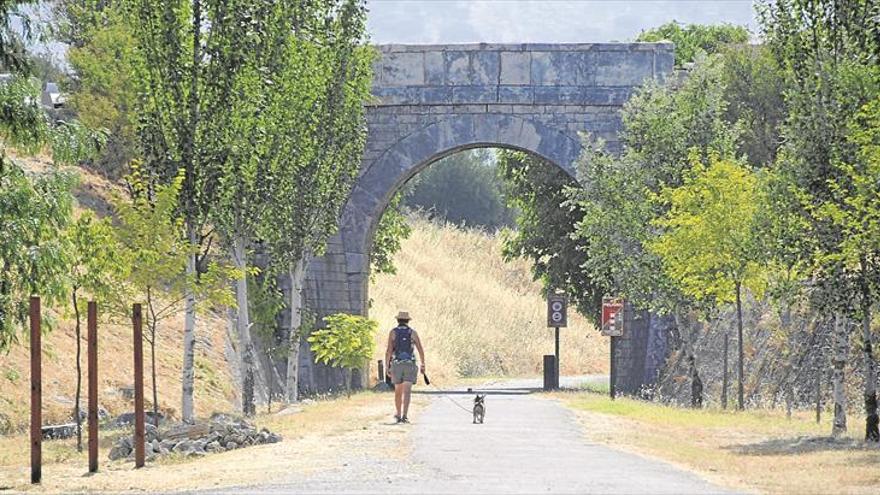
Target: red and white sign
(612, 316)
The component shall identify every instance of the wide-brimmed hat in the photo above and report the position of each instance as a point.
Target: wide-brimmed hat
(403, 316)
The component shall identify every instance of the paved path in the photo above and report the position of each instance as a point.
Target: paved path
(528, 444)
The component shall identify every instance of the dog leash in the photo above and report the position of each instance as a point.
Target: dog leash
(446, 394)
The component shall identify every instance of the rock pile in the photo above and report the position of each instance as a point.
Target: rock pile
(219, 434)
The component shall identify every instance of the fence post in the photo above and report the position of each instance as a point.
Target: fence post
(137, 322)
(36, 392)
(93, 385)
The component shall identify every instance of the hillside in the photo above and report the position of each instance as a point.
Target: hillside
(215, 390)
(476, 314)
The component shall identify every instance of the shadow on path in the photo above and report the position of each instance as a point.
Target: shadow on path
(803, 445)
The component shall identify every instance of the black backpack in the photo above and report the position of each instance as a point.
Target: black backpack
(403, 344)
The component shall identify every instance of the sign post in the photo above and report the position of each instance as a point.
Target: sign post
(612, 326)
(557, 317)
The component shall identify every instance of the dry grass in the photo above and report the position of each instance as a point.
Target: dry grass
(760, 451)
(476, 314)
(317, 437)
(214, 388)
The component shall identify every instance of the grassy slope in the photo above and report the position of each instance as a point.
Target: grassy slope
(758, 450)
(476, 314)
(115, 363)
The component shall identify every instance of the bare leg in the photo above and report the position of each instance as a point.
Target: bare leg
(407, 391)
(398, 397)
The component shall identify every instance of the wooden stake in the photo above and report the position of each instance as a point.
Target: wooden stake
(36, 393)
(137, 322)
(93, 385)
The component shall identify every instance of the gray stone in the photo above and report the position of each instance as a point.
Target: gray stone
(231, 445)
(516, 68)
(485, 67)
(403, 69)
(56, 432)
(121, 449)
(151, 433)
(183, 447)
(457, 67)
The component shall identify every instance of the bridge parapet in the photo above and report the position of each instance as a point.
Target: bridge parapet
(517, 74)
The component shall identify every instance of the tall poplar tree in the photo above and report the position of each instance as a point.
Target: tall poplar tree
(829, 51)
(255, 103)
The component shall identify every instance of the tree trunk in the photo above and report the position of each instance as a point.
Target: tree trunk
(76, 412)
(243, 326)
(871, 419)
(838, 370)
(725, 380)
(297, 278)
(189, 337)
(152, 326)
(739, 331)
(153, 375)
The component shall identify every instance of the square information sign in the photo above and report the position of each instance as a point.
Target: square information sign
(557, 311)
(612, 316)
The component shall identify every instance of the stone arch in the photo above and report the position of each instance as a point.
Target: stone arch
(415, 151)
(430, 101)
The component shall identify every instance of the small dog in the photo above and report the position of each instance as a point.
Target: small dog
(479, 408)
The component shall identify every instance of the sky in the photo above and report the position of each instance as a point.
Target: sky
(550, 21)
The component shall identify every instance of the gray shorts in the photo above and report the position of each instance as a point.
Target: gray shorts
(403, 371)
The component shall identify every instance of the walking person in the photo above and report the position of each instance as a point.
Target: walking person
(402, 359)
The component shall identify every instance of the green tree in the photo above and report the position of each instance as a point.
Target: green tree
(545, 227)
(103, 89)
(854, 211)
(754, 88)
(34, 213)
(149, 238)
(662, 126)
(35, 210)
(691, 40)
(192, 60)
(154, 253)
(348, 342)
(707, 242)
(322, 104)
(13, 40)
(244, 129)
(828, 52)
(393, 229)
(463, 189)
(95, 268)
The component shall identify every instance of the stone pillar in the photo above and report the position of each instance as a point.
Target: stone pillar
(335, 283)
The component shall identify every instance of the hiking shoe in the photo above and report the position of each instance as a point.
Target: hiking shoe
(397, 419)
(404, 420)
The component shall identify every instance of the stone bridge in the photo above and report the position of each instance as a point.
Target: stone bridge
(436, 100)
